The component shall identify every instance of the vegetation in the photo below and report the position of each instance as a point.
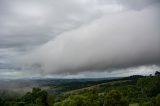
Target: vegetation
(131, 91)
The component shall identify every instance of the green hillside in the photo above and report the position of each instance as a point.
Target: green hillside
(128, 91)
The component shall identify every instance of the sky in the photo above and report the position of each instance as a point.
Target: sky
(79, 38)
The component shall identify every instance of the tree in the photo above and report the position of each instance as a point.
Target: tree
(155, 101)
(157, 73)
(78, 100)
(50, 100)
(152, 87)
(2, 102)
(149, 86)
(115, 98)
(36, 97)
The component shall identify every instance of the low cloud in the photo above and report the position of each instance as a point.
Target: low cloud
(125, 39)
(74, 36)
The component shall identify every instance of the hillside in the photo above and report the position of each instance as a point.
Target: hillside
(128, 91)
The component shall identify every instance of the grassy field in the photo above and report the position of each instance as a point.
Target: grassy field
(97, 86)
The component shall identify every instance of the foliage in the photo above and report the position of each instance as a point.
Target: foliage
(91, 98)
(133, 90)
(115, 98)
(88, 99)
(2, 102)
(37, 97)
(149, 86)
(155, 101)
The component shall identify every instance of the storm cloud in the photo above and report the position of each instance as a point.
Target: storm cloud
(125, 39)
(39, 37)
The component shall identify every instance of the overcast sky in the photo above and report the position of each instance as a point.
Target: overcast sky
(79, 38)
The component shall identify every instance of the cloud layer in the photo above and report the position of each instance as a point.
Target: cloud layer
(27, 24)
(125, 39)
(75, 36)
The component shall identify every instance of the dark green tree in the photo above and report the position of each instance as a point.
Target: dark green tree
(155, 101)
(36, 97)
(115, 98)
(2, 102)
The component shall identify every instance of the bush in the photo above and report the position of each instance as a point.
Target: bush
(155, 101)
(115, 98)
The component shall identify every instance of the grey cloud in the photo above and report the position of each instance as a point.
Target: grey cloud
(26, 25)
(34, 22)
(125, 39)
(26, 22)
(130, 4)
(137, 4)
